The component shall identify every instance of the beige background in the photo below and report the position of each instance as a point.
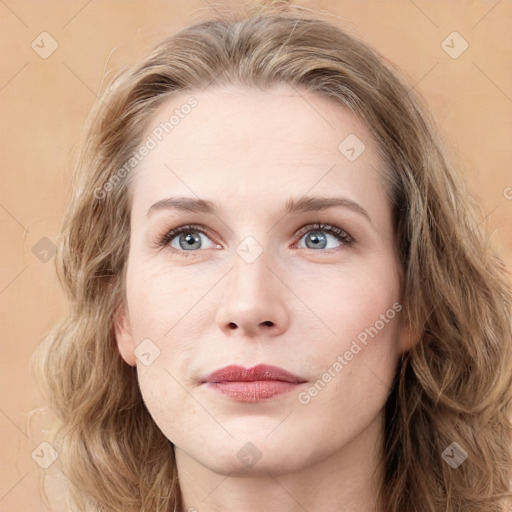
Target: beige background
(44, 103)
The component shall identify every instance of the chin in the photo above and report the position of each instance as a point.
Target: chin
(243, 455)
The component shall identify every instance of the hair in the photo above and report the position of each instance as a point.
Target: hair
(453, 385)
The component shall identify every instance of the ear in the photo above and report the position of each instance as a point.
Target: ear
(124, 337)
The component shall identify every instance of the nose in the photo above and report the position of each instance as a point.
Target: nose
(253, 302)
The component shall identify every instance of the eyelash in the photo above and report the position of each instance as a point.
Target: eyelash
(340, 234)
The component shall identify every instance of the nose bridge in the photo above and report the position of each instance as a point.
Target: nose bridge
(252, 255)
(250, 275)
(252, 299)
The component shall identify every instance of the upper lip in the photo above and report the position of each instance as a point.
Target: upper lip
(235, 373)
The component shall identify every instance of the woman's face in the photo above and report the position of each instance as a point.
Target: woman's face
(254, 281)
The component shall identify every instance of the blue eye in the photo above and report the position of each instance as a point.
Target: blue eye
(187, 237)
(317, 239)
(187, 240)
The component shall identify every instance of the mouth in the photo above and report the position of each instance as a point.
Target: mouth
(252, 384)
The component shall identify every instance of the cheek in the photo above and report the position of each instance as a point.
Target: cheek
(356, 364)
(357, 334)
(158, 299)
(165, 399)
(345, 302)
(165, 381)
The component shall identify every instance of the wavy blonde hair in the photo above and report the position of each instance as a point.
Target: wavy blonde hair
(454, 385)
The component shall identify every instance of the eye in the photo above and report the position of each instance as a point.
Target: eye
(185, 239)
(315, 238)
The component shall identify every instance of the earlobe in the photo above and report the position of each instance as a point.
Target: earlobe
(124, 337)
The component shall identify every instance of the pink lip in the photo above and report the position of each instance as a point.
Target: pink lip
(252, 384)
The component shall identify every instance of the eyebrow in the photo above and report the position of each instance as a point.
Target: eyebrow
(292, 206)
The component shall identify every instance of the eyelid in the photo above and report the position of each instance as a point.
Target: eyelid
(343, 236)
(332, 229)
(164, 240)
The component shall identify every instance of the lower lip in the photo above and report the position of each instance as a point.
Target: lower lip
(253, 391)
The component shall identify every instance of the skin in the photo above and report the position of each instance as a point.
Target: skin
(294, 306)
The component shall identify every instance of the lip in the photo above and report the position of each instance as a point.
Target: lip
(252, 384)
(235, 373)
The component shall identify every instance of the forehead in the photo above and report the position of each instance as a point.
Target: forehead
(247, 144)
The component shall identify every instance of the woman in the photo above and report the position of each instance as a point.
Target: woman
(280, 291)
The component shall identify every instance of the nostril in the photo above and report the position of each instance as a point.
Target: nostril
(232, 325)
